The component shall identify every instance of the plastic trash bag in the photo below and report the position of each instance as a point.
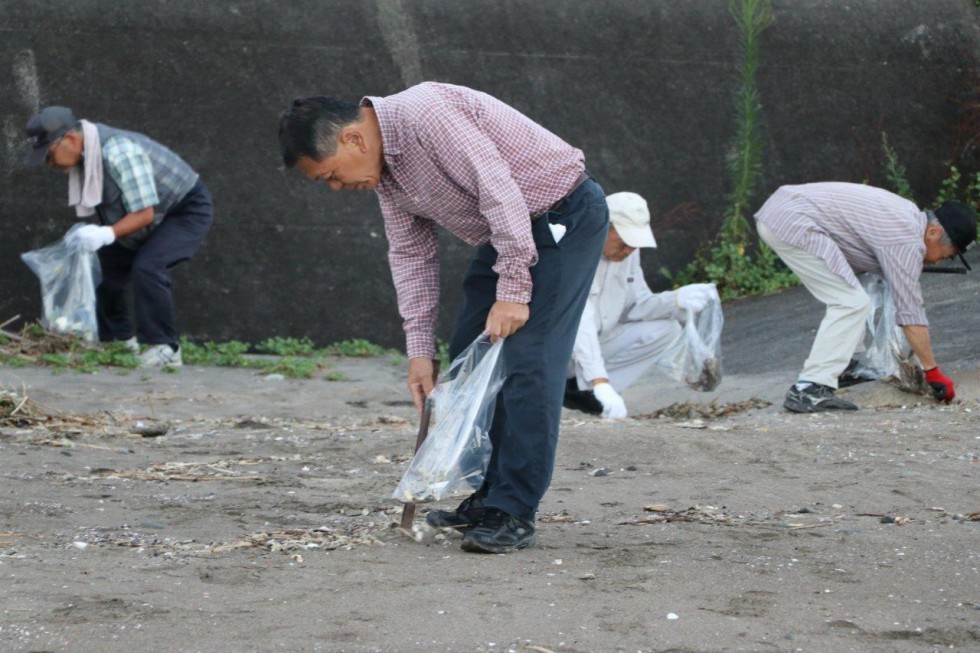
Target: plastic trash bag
(453, 458)
(68, 281)
(694, 356)
(890, 353)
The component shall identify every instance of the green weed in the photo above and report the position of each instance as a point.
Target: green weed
(287, 346)
(354, 348)
(294, 368)
(737, 261)
(895, 171)
(224, 354)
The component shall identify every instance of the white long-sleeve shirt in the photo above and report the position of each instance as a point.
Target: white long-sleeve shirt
(619, 294)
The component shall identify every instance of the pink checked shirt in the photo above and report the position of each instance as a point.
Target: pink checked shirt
(466, 161)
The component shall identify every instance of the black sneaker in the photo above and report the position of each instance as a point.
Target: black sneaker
(583, 400)
(856, 372)
(466, 515)
(814, 398)
(498, 532)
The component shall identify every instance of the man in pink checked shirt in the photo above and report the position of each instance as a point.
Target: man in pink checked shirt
(449, 156)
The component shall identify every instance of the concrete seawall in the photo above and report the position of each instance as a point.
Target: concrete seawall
(644, 87)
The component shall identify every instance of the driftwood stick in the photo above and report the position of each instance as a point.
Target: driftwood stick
(12, 336)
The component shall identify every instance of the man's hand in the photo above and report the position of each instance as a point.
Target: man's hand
(91, 237)
(613, 406)
(505, 319)
(421, 380)
(942, 385)
(695, 296)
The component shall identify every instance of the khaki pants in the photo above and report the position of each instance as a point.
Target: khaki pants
(842, 328)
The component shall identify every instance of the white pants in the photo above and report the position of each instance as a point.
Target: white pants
(841, 331)
(629, 350)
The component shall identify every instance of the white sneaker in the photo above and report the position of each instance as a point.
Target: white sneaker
(132, 345)
(160, 356)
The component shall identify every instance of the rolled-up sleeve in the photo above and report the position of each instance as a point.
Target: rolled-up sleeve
(413, 254)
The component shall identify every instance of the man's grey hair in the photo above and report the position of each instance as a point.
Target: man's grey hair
(944, 240)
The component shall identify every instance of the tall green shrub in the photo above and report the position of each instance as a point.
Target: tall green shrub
(729, 262)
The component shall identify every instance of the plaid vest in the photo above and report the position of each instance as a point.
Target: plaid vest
(171, 175)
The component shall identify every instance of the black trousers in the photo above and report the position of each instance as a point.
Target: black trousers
(175, 240)
(528, 410)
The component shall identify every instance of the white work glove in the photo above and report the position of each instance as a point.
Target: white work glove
(695, 296)
(613, 406)
(91, 237)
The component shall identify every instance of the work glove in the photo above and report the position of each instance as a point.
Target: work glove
(613, 406)
(90, 237)
(942, 385)
(695, 296)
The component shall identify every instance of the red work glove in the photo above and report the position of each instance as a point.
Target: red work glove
(942, 385)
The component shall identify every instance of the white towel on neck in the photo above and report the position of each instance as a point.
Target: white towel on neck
(86, 193)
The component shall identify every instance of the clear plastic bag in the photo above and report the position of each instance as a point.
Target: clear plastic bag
(694, 356)
(68, 281)
(890, 353)
(453, 458)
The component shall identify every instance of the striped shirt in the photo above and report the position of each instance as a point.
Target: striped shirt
(463, 160)
(856, 228)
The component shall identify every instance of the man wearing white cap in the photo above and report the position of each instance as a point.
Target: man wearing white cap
(625, 326)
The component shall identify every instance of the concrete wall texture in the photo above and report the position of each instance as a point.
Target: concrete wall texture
(644, 87)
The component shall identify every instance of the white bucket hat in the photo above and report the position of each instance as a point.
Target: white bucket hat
(628, 212)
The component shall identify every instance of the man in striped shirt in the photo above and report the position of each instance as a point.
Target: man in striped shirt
(449, 156)
(829, 232)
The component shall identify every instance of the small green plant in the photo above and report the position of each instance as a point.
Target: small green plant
(895, 171)
(287, 346)
(950, 186)
(294, 368)
(354, 348)
(14, 361)
(335, 376)
(224, 354)
(737, 262)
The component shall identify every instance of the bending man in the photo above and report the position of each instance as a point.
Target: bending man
(827, 233)
(153, 213)
(449, 156)
(625, 326)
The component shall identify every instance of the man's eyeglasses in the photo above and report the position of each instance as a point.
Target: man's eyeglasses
(49, 157)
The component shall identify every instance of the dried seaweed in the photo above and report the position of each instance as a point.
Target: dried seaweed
(714, 410)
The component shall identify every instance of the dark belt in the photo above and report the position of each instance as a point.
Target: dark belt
(582, 177)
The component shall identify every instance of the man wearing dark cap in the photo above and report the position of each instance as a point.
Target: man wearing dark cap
(450, 156)
(829, 232)
(153, 213)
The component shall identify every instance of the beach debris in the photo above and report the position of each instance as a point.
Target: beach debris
(699, 514)
(709, 377)
(219, 470)
(18, 410)
(690, 411)
(556, 518)
(150, 428)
